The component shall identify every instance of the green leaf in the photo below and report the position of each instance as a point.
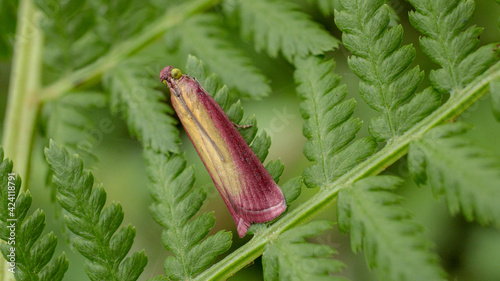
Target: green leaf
(388, 83)
(394, 245)
(448, 42)
(96, 227)
(280, 26)
(67, 121)
(79, 33)
(291, 189)
(327, 7)
(466, 175)
(291, 257)
(68, 28)
(231, 64)
(329, 126)
(33, 252)
(495, 98)
(176, 202)
(134, 97)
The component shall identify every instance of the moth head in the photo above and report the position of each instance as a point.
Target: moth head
(169, 73)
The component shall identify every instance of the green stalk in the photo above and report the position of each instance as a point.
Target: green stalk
(121, 51)
(393, 151)
(23, 102)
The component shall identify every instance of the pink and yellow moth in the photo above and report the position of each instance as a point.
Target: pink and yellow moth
(251, 195)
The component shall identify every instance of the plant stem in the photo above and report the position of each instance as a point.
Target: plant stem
(127, 48)
(23, 103)
(395, 149)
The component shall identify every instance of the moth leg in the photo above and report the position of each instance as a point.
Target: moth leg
(242, 126)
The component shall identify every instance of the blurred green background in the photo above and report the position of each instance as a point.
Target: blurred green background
(467, 250)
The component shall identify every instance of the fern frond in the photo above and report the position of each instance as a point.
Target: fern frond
(279, 26)
(67, 121)
(259, 143)
(450, 44)
(98, 238)
(495, 98)
(466, 175)
(328, 126)
(134, 97)
(68, 28)
(33, 253)
(383, 66)
(291, 257)
(203, 36)
(73, 28)
(393, 244)
(176, 201)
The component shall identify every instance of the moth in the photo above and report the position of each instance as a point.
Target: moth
(250, 193)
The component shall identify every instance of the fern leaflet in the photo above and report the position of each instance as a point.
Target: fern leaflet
(176, 201)
(291, 257)
(467, 176)
(448, 42)
(387, 85)
(278, 25)
(66, 121)
(329, 126)
(99, 240)
(134, 97)
(73, 28)
(393, 244)
(203, 36)
(32, 255)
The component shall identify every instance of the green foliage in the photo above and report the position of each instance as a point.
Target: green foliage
(495, 98)
(95, 46)
(67, 121)
(327, 7)
(221, 56)
(72, 28)
(329, 126)
(291, 257)
(448, 42)
(8, 14)
(260, 144)
(279, 25)
(98, 238)
(388, 84)
(466, 175)
(393, 244)
(176, 201)
(33, 253)
(135, 98)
